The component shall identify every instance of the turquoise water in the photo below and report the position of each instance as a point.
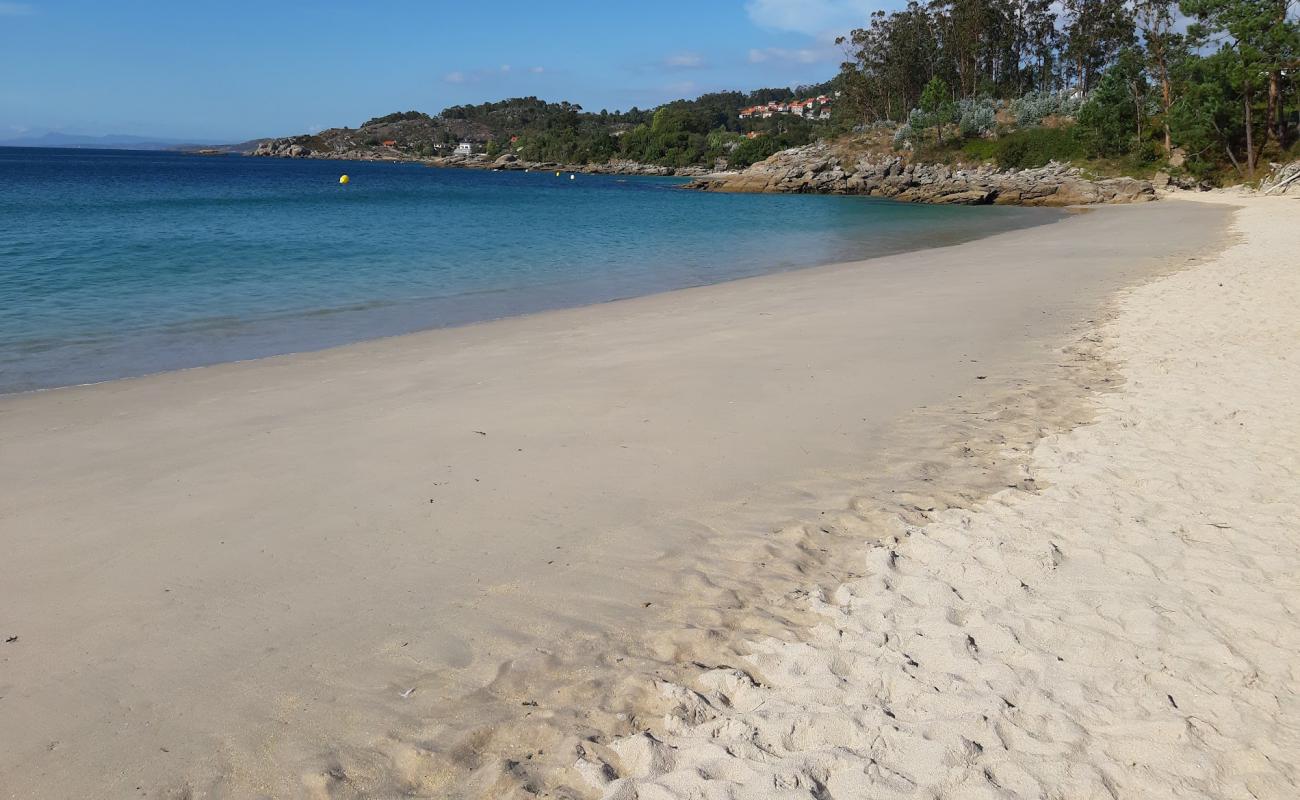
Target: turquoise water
(116, 263)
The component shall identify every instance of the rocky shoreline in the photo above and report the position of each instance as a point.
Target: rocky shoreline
(293, 147)
(821, 169)
(813, 169)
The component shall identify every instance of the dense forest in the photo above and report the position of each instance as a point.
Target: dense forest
(1210, 84)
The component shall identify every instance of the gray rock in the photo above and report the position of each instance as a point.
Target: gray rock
(818, 168)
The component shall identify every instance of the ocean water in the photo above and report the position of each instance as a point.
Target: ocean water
(120, 263)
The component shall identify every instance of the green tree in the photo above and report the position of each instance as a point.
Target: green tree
(1257, 41)
(1095, 32)
(1164, 46)
(937, 105)
(752, 151)
(1205, 118)
(1111, 121)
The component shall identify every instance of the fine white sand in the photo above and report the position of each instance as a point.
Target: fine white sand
(450, 563)
(1126, 626)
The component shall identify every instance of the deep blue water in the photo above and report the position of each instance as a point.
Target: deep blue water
(118, 263)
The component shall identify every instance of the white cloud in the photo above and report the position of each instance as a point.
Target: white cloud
(15, 10)
(684, 61)
(505, 67)
(780, 55)
(812, 17)
(537, 70)
(454, 77)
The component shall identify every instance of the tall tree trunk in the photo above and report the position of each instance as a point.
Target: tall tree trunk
(1137, 107)
(1275, 107)
(1227, 147)
(1166, 96)
(1250, 136)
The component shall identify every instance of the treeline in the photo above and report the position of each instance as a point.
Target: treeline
(1223, 88)
(679, 133)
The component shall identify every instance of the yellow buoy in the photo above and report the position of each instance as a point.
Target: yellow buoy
(557, 174)
(344, 179)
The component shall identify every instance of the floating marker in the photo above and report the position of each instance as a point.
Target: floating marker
(571, 177)
(344, 179)
(557, 174)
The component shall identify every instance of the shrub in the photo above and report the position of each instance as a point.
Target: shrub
(976, 117)
(751, 151)
(903, 136)
(1029, 148)
(981, 149)
(1034, 107)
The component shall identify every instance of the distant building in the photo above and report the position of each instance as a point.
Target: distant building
(390, 143)
(464, 149)
(811, 108)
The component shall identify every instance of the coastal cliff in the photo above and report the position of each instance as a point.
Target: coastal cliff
(822, 169)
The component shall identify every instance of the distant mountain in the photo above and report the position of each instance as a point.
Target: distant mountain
(109, 142)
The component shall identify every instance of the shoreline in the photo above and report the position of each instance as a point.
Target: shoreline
(529, 310)
(697, 376)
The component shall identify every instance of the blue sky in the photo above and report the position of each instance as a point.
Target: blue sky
(237, 70)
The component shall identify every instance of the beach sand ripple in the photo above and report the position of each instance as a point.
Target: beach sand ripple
(1122, 623)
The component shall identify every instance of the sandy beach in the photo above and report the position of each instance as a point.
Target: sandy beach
(1123, 623)
(1008, 518)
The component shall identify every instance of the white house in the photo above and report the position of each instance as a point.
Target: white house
(464, 149)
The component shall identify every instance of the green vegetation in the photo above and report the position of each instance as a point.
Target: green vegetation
(937, 106)
(1109, 84)
(400, 116)
(1032, 147)
(1114, 82)
(677, 134)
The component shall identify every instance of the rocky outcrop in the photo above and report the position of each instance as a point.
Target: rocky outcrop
(314, 147)
(1283, 179)
(819, 168)
(291, 147)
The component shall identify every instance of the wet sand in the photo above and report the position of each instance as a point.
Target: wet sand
(395, 567)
